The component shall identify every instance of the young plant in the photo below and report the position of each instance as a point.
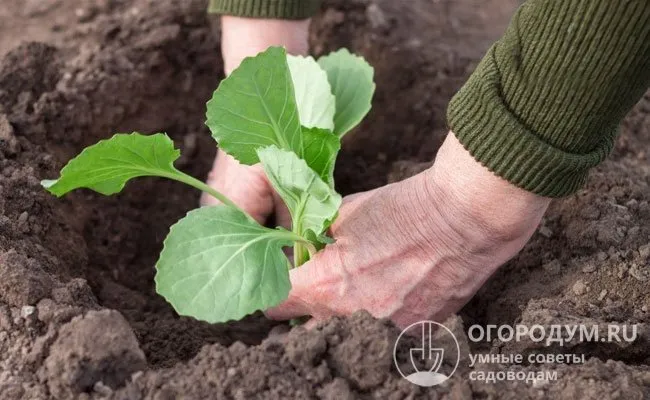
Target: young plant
(287, 113)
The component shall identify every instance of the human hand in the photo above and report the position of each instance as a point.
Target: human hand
(417, 249)
(246, 185)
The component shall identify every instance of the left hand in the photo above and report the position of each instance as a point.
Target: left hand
(246, 185)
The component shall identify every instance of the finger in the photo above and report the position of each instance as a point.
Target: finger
(308, 292)
(292, 307)
(311, 324)
(282, 214)
(247, 186)
(356, 196)
(352, 202)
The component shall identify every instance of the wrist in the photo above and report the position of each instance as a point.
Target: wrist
(245, 37)
(475, 196)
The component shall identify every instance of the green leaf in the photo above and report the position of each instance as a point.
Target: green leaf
(351, 78)
(106, 166)
(319, 241)
(320, 148)
(255, 107)
(316, 103)
(313, 203)
(217, 265)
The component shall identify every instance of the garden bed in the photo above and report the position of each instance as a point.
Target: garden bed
(78, 312)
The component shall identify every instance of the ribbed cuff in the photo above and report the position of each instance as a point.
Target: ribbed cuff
(280, 9)
(545, 103)
(495, 136)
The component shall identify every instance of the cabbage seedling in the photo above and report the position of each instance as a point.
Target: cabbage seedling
(287, 113)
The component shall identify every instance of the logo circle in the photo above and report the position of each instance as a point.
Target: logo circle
(435, 355)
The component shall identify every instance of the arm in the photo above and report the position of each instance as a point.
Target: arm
(245, 37)
(538, 112)
(544, 105)
(251, 26)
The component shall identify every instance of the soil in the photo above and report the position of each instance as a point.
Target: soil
(79, 317)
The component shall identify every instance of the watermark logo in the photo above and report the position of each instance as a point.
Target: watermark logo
(426, 354)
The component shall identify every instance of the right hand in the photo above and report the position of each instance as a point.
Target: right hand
(418, 249)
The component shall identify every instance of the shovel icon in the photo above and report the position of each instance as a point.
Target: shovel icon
(426, 360)
(428, 354)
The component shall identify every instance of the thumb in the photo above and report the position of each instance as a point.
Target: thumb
(309, 288)
(292, 307)
(296, 305)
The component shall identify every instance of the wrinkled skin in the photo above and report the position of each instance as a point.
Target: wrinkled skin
(417, 249)
(413, 250)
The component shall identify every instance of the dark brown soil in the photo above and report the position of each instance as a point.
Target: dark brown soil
(79, 317)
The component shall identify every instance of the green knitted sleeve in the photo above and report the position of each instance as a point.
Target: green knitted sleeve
(282, 9)
(544, 104)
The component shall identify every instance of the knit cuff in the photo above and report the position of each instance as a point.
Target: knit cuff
(280, 9)
(496, 137)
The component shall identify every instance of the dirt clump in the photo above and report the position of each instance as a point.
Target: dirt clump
(22, 280)
(96, 347)
(340, 359)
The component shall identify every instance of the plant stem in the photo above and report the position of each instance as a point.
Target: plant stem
(187, 179)
(300, 256)
(311, 249)
(303, 249)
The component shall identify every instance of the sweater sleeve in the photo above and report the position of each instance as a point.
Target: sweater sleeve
(545, 103)
(281, 9)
